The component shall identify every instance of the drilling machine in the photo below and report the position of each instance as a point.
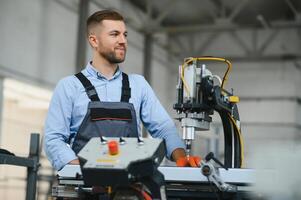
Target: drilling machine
(198, 97)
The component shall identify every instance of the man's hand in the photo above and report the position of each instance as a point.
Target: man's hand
(182, 160)
(74, 162)
(177, 154)
(189, 161)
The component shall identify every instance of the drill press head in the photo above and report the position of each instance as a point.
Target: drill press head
(192, 107)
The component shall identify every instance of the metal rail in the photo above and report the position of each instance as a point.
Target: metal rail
(31, 163)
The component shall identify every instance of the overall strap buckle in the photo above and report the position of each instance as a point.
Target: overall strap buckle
(90, 89)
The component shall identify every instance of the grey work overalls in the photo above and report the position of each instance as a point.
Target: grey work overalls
(109, 119)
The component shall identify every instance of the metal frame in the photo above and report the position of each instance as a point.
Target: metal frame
(1, 103)
(31, 163)
(181, 182)
(81, 35)
(222, 22)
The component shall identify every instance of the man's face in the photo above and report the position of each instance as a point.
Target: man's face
(110, 40)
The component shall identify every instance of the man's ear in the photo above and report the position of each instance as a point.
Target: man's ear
(93, 40)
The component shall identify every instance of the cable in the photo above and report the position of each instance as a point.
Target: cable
(182, 75)
(185, 64)
(222, 60)
(240, 140)
(218, 78)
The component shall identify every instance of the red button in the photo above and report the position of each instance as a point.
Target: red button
(113, 147)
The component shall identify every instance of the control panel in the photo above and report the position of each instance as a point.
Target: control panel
(120, 161)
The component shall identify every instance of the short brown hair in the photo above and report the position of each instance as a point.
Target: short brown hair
(99, 16)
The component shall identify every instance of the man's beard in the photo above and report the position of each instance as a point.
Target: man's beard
(111, 57)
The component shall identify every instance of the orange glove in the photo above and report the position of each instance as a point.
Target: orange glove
(189, 161)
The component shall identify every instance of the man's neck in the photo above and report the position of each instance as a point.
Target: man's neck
(106, 68)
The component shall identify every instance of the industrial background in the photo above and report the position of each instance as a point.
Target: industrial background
(42, 41)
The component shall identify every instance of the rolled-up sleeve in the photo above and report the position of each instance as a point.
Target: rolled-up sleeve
(157, 121)
(57, 126)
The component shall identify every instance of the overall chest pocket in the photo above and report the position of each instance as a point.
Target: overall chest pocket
(113, 122)
(121, 114)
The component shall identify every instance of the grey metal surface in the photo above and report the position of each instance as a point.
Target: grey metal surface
(182, 174)
(69, 171)
(199, 124)
(64, 191)
(186, 174)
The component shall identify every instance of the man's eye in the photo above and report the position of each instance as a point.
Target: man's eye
(125, 35)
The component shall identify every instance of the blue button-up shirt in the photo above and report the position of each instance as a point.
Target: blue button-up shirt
(69, 105)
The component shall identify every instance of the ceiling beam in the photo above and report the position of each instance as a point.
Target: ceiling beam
(254, 40)
(238, 9)
(149, 8)
(252, 57)
(292, 7)
(263, 22)
(212, 12)
(170, 5)
(224, 27)
(268, 41)
(180, 44)
(203, 47)
(240, 42)
(264, 58)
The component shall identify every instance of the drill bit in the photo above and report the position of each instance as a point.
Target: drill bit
(188, 147)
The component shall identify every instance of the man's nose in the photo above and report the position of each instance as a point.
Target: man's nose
(122, 39)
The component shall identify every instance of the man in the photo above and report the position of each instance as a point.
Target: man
(116, 102)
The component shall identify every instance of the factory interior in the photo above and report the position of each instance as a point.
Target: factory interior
(227, 72)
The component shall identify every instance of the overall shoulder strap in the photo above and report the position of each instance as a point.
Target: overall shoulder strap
(90, 89)
(125, 90)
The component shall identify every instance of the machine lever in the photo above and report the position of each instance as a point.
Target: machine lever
(103, 140)
(211, 156)
(212, 174)
(121, 140)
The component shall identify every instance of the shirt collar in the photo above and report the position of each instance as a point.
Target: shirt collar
(92, 71)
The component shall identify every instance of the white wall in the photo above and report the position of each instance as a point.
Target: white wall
(38, 40)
